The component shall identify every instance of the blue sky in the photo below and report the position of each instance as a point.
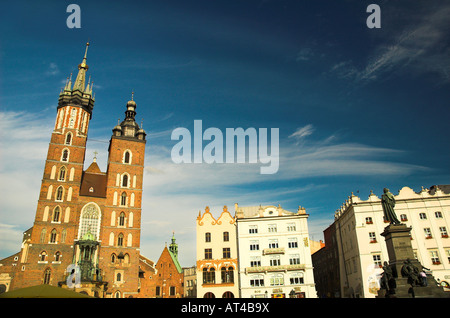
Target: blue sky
(357, 109)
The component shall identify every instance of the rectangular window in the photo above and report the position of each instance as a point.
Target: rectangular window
(369, 220)
(372, 237)
(257, 281)
(253, 229)
(158, 291)
(226, 252)
(423, 216)
(443, 231)
(255, 261)
(294, 259)
(427, 231)
(272, 228)
(403, 217)
(377, 260)
(172, 290)
(435, 257)
(291, 227)
(208, 237)
(275, 260)
(273, 243)
(277, 280)
(438, 215)
(254, 245)
(226, 236)
(208, 253)
(296, 280)
(292, 242)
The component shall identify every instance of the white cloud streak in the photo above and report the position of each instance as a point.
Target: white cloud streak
(416, 50)
(174, 193)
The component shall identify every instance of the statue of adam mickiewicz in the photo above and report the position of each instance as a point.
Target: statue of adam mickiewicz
(388, 204)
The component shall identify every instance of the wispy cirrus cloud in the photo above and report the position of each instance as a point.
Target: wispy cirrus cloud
(301, 133)
(417, 49)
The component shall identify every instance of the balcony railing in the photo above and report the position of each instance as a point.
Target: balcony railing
(274, 250)
(278, 268)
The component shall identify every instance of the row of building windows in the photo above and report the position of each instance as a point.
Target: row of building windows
(433, 254)
(273, 243)
(43, 257)
(226, 237)
(276, 280)
(55, 238)
(123, 180)
(172, 291)
(404, 217)
(275, 260)
(272, 228)
(427, 233)
(60, 194)
(226, 253)
(226, 275)
(65, 154)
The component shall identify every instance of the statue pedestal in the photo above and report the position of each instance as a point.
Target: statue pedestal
(398, 243)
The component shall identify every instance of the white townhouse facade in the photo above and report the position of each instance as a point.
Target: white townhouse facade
(274, 255)
(217, 264)
(362, 250)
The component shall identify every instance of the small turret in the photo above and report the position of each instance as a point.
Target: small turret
(128, 127)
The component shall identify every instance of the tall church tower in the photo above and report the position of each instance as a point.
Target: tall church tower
(87, 223)
(47, 250)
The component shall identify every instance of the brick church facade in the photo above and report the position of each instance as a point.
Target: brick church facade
(86, 232)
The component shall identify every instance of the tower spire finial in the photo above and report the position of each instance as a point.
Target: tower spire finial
(82, 68)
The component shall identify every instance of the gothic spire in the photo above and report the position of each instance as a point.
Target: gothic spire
(82, 68)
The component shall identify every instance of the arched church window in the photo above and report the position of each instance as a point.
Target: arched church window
(123, 199)
(47, 275)
(62, 174)
(53, 236)
(120, 240)
(125, 180)
(122, 219)
(65, 155)
(127, 157)
(59, 193)
(69, 138)
(43, 256)
(89, 220)
(56, 214)
(57, 257)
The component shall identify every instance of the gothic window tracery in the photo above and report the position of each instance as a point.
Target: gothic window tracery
(90, 220)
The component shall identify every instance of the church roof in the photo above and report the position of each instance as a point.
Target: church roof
(93, 183)
(94, 168)
(175, 261)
